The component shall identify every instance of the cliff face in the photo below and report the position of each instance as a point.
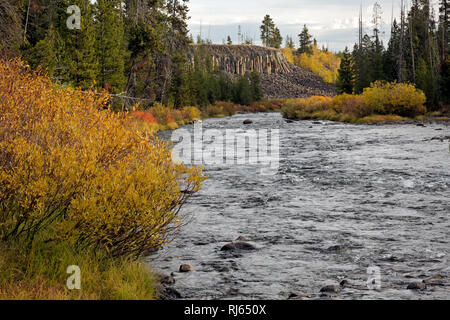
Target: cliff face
(279, 78)
(240, 59)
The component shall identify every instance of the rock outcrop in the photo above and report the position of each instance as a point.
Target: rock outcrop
(240, 59)
(279, 78)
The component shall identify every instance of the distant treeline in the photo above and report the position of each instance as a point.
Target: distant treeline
(134, 48)
(417, 53)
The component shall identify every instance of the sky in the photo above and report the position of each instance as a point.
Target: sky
(334, 23)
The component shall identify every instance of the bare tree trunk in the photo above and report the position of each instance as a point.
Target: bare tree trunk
(168, 69)
(400, 56)
(412, 53)
(26, 22)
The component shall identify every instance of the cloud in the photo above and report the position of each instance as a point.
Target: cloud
(331, 21)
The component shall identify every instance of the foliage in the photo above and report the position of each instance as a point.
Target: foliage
(345, 79)
(208, 85)
(288, 53)
(110, 45)
(305, 41)
(301, 107)
(321, 62)
(417, 52)
(80, 59)
(395, 98)
(270, 34)
(69, 164)
(382, 100)
(290, 43)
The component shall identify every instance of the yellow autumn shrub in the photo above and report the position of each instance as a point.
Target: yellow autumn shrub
(402, 99)
(351, 104)
(394, 101)
(74, 170)
(304, 108)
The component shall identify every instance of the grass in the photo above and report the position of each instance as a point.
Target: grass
(40, 274)
(377, 118)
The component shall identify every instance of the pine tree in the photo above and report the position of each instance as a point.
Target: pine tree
(277, 39)
(267, 28)
(270, 34)
(79, 57)
(229, 41)
(346, 76)
(445, 81)
(444, 28)
(255, 85)
(290, 43)
(110, 45)
(305, 41)
(179, 90)
(243, 92)
(44, 53)
(361, 57)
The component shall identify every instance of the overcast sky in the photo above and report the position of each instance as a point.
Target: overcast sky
(333, 22)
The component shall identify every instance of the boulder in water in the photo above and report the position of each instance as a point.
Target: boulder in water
(417, 286)
(186, 268)
(336, 249)
(167, 280)
(169, 293)
(331, 289)
(238, 245)
(248, 121)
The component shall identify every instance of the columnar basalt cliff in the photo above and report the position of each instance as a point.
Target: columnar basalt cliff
(279, 78)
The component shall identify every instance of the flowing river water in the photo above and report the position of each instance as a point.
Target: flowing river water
(347, 199)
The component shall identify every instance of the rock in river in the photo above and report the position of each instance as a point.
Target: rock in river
(186, 268)
(417, 286)
(238, 245)
(336, 249)
(331, 289)
(169, 293)
(166, 280)
(248, 121)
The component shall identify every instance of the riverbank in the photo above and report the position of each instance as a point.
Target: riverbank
(381, 103)
(160, 118)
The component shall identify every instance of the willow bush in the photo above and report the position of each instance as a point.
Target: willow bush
(392, 100)
(75, 171)
(402, 99)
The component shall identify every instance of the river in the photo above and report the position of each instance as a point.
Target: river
(347, 200)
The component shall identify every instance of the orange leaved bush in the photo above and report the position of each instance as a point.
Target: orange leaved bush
(72, 170)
